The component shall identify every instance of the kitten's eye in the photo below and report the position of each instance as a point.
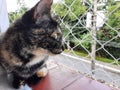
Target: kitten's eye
(54, 35)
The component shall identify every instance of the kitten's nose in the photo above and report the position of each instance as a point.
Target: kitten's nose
(63, 48)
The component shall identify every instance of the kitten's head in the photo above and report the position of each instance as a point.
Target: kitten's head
(44, 31)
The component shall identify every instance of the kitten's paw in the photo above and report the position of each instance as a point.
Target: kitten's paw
(42, 72)
(17, 84)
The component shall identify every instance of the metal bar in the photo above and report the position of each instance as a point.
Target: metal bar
(94, 28)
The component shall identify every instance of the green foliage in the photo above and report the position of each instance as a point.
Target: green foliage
(110, 31)
(15, 15)
(114, 15)
(113, 21)
(19, 12)
(98, 58)
(73, 9)
(106, 34)
(86, 41)
(110, 2)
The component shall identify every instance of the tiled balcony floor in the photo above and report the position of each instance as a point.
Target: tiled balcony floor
(62, 78)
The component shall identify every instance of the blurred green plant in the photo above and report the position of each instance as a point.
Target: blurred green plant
(110, 31)
(19, 12)
(70, 11)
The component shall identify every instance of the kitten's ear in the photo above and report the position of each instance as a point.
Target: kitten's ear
(42, 9)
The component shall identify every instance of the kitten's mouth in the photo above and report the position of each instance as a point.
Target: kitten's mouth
(57, 50)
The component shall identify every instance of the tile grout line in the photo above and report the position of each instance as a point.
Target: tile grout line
(70, 83)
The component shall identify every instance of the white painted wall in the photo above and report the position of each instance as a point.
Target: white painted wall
(4, 21)
(100, 19)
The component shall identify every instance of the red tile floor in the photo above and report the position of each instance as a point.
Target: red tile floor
(62, 78)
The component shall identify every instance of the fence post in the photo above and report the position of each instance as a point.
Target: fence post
(94, 28)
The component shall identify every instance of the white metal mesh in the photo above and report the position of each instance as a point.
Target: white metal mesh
(79, 37)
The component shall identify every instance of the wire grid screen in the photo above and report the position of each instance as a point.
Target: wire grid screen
(91, 33)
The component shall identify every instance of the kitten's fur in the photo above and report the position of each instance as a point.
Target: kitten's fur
(26, 45)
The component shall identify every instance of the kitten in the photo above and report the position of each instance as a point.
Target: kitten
(27, 44)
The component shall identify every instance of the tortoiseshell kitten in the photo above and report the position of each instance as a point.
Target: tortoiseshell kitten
(26, 45)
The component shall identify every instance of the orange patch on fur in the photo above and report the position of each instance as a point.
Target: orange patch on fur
(43, 72)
